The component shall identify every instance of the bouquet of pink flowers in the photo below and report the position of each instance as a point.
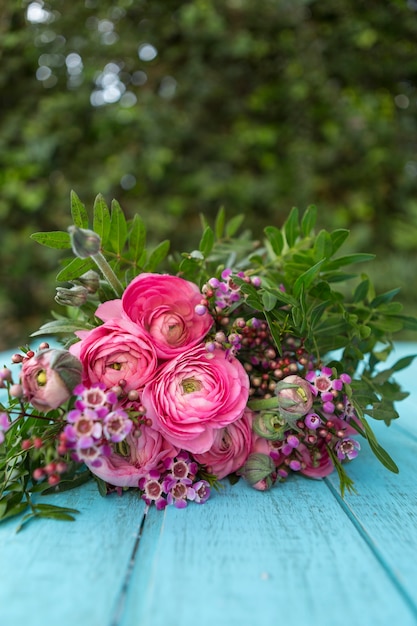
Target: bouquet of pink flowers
(239, 359)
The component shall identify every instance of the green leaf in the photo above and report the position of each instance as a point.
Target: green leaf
(18, 509)
(317, 312)
(137, 238)
(338, 237)
(233, 225)
(55, 239)
(305, 280)
(275, 238)
(78, 211)
(349, 259)
(384, 298)
(273, 327)
(70, 483)
(381, 454)
(118, 228)
(323, 246)
(268, 300)
(291, 227)
(308, 220)
(157, 255)
(207, 241)
(75, 269)
(219, 223)
(101, 219)
(361, 291)
(57, 515)
(65, 326)
(51, 508)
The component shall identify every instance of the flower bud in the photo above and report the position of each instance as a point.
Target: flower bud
(90, 280)
(295, 397)
(84, 242)
(257, 468)
(49, 377)
(74, 296)
(269, 425)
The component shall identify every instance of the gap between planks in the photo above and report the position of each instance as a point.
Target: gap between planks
(121, 598)
(409, 600)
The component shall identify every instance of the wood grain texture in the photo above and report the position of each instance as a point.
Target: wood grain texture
(69, 573)
(246, 557)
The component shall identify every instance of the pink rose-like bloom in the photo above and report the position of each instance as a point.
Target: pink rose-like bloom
(315, 464)
(116, 350)
(147, 452)
(194, 395)
(164, 306)
(230, 449)
(49, 377)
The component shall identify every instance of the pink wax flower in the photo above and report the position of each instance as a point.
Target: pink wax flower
(230, 449)
(295, 396)
(147, 452)
(194, 395)
(49, 377)
(117, 350)
(164, 306)
(4, 425)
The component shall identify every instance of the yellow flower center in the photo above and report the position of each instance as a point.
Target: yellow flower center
(189, 385)
(41, 378)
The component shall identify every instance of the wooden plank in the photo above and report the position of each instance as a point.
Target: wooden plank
(69, 573)
(385, 508)
(291, 555)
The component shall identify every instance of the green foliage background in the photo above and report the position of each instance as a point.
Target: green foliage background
(176, 108)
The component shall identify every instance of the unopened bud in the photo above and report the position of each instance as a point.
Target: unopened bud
(84, 242)
(90, 280)
(73, 296)
(258, 467)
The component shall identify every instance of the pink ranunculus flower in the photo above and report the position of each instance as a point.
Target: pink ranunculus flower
(315, 463)
(230, 449)
(164, 306)
(146, 452)
(116, 350)
(194, 395)
(49, 377)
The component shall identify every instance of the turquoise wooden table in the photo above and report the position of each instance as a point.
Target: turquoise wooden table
(296, 555)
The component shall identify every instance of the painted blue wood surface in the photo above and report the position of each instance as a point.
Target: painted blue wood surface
(297, 555)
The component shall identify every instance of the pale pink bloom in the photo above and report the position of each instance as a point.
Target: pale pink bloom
(49, 377)
(146, 452)
(315, 463)
(164, 306)
(194, 395)
(295, 396)
(117, 350)
(230, 449)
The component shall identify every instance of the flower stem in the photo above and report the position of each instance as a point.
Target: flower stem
(264, 403)
(108, 273)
